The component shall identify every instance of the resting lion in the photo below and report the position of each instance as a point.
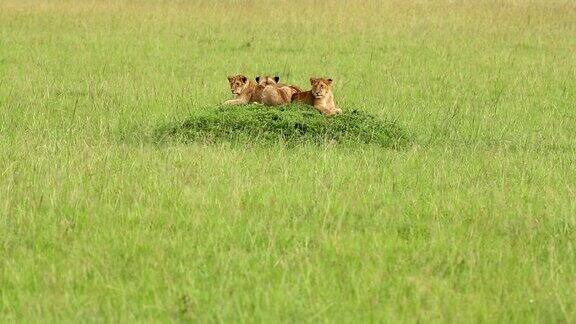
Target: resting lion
(320, 96)
(274, 93)
(244, 91)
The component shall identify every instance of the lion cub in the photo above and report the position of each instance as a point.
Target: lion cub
(244, 90)
(320, 96)
(274, 93)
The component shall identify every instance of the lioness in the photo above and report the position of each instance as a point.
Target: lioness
(320, 96)
(244, 90)
(274, 93)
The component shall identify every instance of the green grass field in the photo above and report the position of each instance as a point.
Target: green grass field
(474, 221)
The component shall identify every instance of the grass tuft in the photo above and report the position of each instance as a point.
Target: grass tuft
(293, 124)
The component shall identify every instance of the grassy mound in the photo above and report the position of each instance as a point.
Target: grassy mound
(290, 124)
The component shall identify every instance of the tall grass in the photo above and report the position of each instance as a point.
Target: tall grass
(475, 221)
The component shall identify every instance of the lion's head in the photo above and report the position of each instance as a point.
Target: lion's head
(237, 83)
(320, 87)
(267, 80)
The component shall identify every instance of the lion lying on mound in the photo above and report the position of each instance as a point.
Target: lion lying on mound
(274, 93)
(266, 90)
(320, 96)
(244, 91)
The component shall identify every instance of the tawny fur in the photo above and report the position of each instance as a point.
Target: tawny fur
(244, 91)
(320, 96)
(274, 93)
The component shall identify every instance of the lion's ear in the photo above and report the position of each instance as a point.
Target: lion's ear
(329, 81)
(257, 79)
(230, 78)
(244, 79)
(313, 80)
(276, 79)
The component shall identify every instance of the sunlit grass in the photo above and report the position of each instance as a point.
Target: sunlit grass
(473, 221)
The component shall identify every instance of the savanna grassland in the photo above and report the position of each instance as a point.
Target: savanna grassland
(474, 221)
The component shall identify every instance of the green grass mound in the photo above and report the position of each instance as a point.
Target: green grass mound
(291, 124)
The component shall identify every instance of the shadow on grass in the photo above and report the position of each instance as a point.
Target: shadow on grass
(293, 124)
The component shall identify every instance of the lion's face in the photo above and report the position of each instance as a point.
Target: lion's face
(267, 80)
(237, 84)
(320, 87)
